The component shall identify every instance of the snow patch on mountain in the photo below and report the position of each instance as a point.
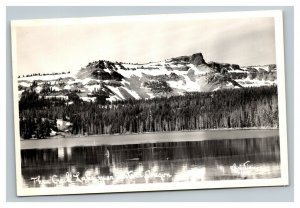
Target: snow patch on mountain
(132, 93)
(116, 91)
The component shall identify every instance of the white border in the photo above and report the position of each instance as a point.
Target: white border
(276, 14)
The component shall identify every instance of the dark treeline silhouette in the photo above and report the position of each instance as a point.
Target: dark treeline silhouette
(43, 74)
(228, 108)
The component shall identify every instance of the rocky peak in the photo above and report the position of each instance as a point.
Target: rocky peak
(197, 59)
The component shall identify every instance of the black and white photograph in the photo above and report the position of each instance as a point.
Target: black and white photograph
(149, 103)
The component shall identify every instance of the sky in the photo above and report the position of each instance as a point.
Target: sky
(58, 48)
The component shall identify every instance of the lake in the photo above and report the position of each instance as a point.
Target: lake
(138, 159)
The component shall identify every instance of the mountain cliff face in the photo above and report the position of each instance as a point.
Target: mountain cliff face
(175, 76)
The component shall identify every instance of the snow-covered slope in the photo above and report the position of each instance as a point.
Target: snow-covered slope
(174, 76)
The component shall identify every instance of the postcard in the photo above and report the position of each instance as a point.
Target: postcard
(149, 103)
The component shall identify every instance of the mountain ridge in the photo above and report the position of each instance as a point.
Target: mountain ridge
(174, 76)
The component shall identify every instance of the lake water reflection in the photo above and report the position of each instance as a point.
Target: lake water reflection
(210, 160)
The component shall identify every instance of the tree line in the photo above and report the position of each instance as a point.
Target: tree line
(227, 108)
(43, 74)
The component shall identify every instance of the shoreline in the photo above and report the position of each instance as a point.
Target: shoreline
(157, 132)
(148, 137)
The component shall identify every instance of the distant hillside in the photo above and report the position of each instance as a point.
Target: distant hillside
(122, 81)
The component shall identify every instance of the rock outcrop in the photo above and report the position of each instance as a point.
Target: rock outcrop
(197, 59)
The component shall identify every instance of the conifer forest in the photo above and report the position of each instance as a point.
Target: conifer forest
(253, 107)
